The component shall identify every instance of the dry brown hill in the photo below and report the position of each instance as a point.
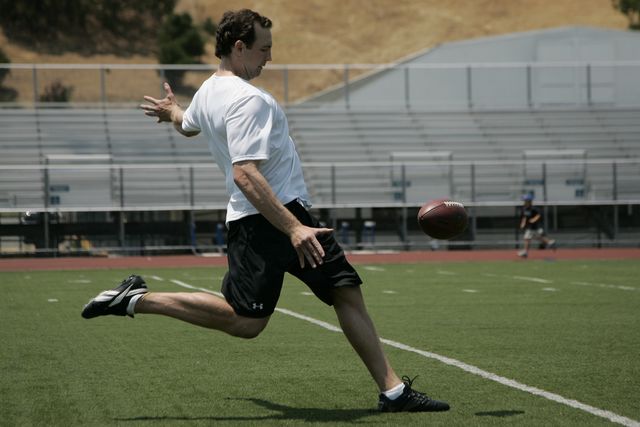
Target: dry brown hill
(349, 31)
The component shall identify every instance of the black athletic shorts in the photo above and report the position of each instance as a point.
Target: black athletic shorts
(259, 254)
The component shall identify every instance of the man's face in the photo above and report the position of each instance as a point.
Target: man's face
(256, 57)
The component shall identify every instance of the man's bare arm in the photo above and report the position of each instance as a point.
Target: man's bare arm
(166, 109)
(258, 191)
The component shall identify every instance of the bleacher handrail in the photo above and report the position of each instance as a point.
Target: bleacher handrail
(585, 90)
(378, 184)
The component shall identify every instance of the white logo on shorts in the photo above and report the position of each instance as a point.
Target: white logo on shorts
(257, 306)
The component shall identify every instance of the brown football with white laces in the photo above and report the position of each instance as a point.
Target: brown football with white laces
(442, 218)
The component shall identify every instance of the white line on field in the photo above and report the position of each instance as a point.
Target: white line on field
(159, 279)
(446, 273)
(532, 279)
(373, 268)
(605, 285)
(611, 416)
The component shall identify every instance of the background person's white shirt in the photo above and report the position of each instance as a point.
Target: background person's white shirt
(242, 122)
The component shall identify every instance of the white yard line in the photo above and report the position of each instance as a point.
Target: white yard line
(446, 273)
(532, 279)
(373, 268)
(611, 416)
(605, 285)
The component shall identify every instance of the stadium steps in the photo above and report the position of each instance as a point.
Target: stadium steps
(321, 135)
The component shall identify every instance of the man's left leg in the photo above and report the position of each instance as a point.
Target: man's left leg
(396, 394)
(361, 333)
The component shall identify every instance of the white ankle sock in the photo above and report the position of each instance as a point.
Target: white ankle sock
(395, 392)
(132, 303)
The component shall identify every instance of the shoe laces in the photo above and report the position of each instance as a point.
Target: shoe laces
(409, 381)
(421, 397)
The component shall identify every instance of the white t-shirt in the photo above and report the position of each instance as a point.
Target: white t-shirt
(242, 122)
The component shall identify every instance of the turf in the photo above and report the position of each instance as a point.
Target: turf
(571, 328)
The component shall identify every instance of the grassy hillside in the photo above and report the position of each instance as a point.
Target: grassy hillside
(337, 31)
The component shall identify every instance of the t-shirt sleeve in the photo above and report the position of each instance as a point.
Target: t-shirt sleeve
(189, 122)
(249, 123)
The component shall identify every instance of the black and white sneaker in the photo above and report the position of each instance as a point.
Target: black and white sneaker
(115, 301)
(411, 401)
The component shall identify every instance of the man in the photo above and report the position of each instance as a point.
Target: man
(531, 223)
(270, 231)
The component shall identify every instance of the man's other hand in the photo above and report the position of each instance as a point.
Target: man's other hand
(305, 242)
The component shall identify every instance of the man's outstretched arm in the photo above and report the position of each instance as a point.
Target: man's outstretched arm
(166, 109)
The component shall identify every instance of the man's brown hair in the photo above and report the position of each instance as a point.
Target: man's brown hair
(238, 25)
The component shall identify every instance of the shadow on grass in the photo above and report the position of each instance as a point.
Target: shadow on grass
(499, 414)
(284, 413)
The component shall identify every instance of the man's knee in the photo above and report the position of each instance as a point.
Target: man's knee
(247, 327)
(347, 295)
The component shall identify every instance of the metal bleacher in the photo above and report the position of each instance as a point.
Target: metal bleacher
(136, 143)
(471, 135)
(502, 136)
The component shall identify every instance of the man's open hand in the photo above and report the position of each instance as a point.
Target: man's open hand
(161, 108)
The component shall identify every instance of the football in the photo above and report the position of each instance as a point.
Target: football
(442, 219)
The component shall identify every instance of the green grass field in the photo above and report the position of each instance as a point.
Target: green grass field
(569, 328)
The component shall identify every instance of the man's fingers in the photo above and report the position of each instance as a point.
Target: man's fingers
(150, 99)
(324, 230)
(300, 257)
(318, 252)
(309, 255)
(167, 89)
(312, 258)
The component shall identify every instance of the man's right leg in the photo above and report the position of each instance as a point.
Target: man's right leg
(201, 309)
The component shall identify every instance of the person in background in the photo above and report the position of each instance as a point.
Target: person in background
(531, 224)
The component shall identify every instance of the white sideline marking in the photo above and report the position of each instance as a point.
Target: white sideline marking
(605, 285)
(611, 416)
(320, 323)
(389, 292)
(52, 300)
(471, 291)
(372, 268)
(446, 273)
(517, 385)
(490, 275)
(532, 279)
(549, 289)
(195, 288)
(307, 293)
(159, 279)
(80, 281)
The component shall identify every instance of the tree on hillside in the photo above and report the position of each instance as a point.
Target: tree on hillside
(631, 8)
(85, 25)
(180, 42)
(6, 94)
(4, 59)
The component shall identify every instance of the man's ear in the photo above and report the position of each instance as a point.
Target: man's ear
(239, 46)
